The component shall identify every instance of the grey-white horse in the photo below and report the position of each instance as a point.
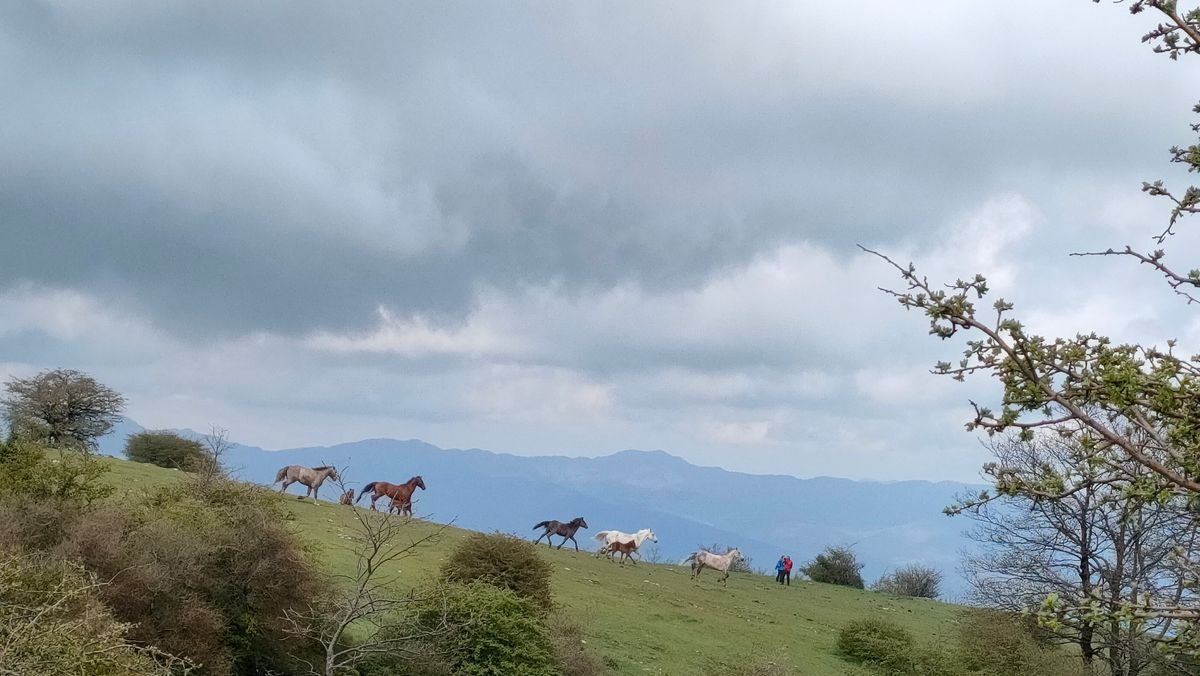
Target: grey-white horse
(312, 477)
(722, 562)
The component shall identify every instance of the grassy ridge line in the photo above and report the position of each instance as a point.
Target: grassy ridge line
(646, 618)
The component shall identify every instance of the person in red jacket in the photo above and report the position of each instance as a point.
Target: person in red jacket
(787, 569)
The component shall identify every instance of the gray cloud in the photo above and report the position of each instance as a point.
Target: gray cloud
(239, 167)
(644, 213)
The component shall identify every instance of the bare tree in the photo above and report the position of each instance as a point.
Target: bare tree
(216, 446)
(1093, 547)
(366, 599)
(62, 408)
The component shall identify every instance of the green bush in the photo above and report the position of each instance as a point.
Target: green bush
(484, 630)
(51, 622)
(877, 642)
(1005, 644)
(166, 449)
(503, 561)
(835, 565)
(204, 571)
(33, 469)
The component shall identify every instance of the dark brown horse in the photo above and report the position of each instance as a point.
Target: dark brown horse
(401, 494)
(566, 531)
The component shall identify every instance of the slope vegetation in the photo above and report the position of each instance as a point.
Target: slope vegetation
(646, 618)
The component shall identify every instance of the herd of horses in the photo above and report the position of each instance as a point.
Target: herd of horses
(400, 496)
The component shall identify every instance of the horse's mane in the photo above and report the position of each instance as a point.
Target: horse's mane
(321, 467)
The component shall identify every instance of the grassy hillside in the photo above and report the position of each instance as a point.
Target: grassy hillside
(648, 618)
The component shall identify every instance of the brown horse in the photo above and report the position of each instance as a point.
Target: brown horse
(566, 531)
(401, 494)
(626, 549)
(348, 497)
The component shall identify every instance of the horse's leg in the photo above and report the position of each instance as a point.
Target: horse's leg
(539, 538)
(573, 541)
(374, 497)
(314, 492)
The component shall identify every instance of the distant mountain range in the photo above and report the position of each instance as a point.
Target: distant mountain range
(888, 523)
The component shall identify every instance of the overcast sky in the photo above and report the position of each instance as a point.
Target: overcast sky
(571, 228)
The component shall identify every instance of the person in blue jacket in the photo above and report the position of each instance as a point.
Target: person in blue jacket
(783, 570)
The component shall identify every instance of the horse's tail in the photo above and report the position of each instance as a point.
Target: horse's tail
(691, 557)
(602, 535)
(368, 487)
(541, 524)
(281, 474)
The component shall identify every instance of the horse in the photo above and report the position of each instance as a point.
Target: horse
(564, 530)
(722, 562)
(399, 493)
(312, 477)
(607, 537)
(348, 497)
(626, 550)
(401, 506)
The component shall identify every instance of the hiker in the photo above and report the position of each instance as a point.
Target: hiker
(779, 566)
(787, 569)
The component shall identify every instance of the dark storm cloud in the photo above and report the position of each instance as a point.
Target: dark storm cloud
(234, 167)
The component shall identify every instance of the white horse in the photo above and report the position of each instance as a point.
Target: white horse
(722, 562)
(608, 537)
(312, 477)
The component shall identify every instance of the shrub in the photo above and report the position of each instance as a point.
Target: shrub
(34, 469)
(503, 561)
(877, 642)
(912, 580)
(202, 572)
(207, 571)
(1005, 644)
(485, 630)
(835, 565)
(166, 449)
(51, 622)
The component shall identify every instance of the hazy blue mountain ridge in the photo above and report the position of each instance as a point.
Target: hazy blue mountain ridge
(889, 524)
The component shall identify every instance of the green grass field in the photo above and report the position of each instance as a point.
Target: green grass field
(647, 618)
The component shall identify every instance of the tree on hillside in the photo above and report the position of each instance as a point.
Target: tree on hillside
(165, 449)
(913, 580)
(1133, 411)
(1093, 546)
(61, 408)
(835, 565)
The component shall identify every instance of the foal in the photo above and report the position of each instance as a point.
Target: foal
(626, 550)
